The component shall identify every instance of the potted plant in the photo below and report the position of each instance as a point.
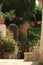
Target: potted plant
(7, 47)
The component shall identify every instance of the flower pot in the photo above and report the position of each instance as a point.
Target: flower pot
(0, 55)
(2, 21)
(6, 55)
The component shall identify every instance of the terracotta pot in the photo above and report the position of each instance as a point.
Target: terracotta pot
(0, 56)
(2, 21)
(6, 55)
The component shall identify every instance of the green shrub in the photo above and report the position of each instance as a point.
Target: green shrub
(7, 44)
(38, 13)
(33, 36)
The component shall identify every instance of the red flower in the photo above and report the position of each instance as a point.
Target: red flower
(21, 18)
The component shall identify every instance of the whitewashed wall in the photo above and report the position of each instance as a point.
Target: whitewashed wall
(3, 30)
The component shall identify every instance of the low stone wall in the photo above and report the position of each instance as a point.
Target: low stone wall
(41, 57)
(37, 52)
(32, 56)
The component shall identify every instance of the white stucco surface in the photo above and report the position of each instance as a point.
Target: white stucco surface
(3, 30)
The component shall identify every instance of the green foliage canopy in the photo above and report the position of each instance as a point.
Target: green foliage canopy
(33, 36)
(26, 8)
(38, 13)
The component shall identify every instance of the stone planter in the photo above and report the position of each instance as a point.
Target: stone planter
(30, 56)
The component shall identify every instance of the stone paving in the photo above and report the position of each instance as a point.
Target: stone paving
(16, 62)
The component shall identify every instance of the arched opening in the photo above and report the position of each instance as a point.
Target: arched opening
(14, 30)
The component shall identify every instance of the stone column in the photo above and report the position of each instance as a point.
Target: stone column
(41, 41)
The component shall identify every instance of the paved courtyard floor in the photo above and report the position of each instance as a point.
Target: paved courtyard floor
(16, 62)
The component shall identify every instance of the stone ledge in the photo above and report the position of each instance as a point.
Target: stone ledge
(30, 56)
